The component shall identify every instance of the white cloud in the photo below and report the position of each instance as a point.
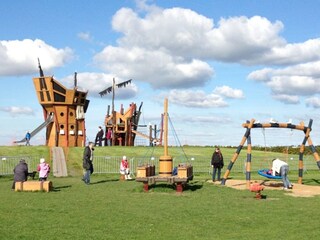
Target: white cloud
(170, 48)
(85, 36)
(288, 99)
(313, 102)
(197, 99)
(287, 84)
(186, 33)
(20, 57)
(228, 92)
(97, 82)
(208, 119)
(15, 111)
(155, 67)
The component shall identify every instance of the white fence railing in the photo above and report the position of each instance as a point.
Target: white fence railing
(111, 164)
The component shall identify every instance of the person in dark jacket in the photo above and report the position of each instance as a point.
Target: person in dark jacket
(99, 137)
(20, 172)
(87, 162)
(217, 164)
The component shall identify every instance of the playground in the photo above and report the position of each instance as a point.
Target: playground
(148, 207)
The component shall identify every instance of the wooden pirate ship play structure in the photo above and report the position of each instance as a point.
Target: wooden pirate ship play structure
(124, 124)
(63, 111)
(147, 174)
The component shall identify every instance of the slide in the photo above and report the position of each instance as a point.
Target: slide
(38, 129)
(59, 162)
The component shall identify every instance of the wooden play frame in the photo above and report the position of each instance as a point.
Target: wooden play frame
(146, 174)
(247, 138)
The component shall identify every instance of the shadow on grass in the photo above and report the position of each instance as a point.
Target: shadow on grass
(193, 186)
(161, 187)
(262, 197)
(58, 189)
(104, 181)
(168, 188)
(311, 181)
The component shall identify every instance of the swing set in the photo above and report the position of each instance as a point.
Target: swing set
(247, 138)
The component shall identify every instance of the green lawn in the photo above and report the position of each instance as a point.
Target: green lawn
(110, 209)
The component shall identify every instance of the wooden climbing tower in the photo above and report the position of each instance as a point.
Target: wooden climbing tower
(63, 110)
(124, 125)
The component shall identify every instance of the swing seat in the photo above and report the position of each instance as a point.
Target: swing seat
(263, 172)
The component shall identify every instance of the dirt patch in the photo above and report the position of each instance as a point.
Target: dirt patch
(298, 190)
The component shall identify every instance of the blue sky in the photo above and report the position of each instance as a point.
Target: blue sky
(219, 63)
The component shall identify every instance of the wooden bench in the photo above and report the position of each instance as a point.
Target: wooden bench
(33, 186)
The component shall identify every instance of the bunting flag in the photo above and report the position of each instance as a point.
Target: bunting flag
(123, 84)
(110, 89)
(106, 91)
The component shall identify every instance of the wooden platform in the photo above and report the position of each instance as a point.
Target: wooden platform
(59, 162)
(33, 186)
(178, 181)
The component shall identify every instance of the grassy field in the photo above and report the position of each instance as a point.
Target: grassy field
(111, 209)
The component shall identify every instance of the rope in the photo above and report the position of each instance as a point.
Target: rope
(177, 139)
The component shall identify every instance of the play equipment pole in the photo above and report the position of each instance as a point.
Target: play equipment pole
(165, 127)
(236, 154)
(165, 161)
(248, 165)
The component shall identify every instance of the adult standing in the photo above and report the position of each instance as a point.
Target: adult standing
(281, 168)
(28, 137)
(217, 164)
(20, 172)
(99, 136)
(87, 162)
(109, 136)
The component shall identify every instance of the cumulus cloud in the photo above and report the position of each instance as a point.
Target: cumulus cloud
(171, 48)
(290, 82)
(228, 92)
(288, 99)
(156, 67)
(97, 82)
(208, 119)
(197, 98)
(85, 36)
(16, 111)
(20, 57)
(313, 102)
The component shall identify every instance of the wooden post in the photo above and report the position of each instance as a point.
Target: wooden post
(248, 166)
(165, 161)
(236, 154)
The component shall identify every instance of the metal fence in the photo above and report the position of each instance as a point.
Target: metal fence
(111, 164)
(7, 163)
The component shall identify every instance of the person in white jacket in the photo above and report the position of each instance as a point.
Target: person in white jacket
(281, 168)
(124, 168)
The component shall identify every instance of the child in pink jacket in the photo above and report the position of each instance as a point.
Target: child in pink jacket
(43, 169)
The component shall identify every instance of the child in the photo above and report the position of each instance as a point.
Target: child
(43, 169)
(124, 168)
